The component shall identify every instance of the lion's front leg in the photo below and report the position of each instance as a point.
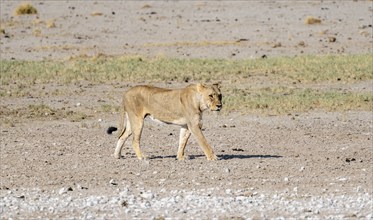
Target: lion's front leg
(207, 149)
(184, 136)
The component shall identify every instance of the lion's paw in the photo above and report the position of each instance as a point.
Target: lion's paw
(116, 156)
(212, 157)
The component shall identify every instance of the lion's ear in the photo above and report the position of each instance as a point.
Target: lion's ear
(200, 87)
(217, 85)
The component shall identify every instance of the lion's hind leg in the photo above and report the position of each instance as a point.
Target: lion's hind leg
(184, 136)
(136, 126)
(125, 133)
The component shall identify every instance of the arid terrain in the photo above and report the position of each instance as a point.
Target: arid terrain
(56, 158)
(185, 29)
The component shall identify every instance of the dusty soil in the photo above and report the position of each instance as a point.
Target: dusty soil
(57, 162)
(224, 29)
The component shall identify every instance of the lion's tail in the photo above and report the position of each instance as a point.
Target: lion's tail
(110, 130)
(122, 125)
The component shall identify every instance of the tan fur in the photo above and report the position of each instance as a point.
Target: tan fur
(182, 107)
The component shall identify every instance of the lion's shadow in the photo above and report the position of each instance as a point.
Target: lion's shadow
(222, 156)
(241, 156)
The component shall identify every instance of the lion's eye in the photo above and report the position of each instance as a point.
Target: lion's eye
(211, 96)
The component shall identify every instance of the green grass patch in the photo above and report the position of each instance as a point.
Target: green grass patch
(304, 69)
(239, 77)
(282, 100)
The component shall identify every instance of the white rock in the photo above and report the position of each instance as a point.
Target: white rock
(63, 190)
(147, 195)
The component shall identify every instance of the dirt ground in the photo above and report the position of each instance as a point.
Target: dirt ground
(300, 157)
(224, 29)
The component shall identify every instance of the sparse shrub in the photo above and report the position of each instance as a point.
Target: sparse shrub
(36, 32)
(25, 9)
(50, 24)
(312, 20)
(106, 108)
(146, 6)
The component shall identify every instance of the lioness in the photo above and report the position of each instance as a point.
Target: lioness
(182, 107)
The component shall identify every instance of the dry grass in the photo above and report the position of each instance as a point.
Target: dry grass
(96, 13)
(40, 111)
(25, 9)
(193, 44)
(36, 32)
(312, 20)
(50, 23)
(146, 6)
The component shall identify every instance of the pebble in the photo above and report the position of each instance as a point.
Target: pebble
(112, 182)
(147, 195)
(62, 191)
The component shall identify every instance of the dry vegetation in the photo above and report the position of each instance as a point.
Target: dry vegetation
(96, 13)
(312, 20)
(25, 9)
(41, 112)
(193, 44)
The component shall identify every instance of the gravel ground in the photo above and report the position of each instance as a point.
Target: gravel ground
(321, 170)
(78, 203)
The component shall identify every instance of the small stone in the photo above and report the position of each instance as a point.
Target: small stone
(123, 203)
(147, 195)
(275, 45)
(301, 43)
(112, 182)
(332, 39)
(63, 190)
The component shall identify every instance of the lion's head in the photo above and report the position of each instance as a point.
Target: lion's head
(211, 97)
